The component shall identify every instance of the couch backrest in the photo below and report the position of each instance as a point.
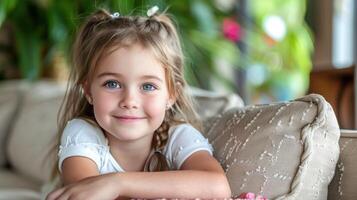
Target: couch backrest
(33, 130)
(10, 99)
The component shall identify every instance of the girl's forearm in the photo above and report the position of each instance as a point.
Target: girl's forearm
(173, 184)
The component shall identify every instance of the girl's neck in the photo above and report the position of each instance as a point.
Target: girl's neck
(130, 155)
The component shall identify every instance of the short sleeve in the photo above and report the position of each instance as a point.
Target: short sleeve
(183, 142)
(80, 138)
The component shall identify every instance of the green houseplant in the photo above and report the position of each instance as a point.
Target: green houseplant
(286, 60)
(44, 31)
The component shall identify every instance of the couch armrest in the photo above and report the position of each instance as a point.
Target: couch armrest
(343, 185)
(348, 133)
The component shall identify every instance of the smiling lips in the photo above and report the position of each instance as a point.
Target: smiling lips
(129, 119)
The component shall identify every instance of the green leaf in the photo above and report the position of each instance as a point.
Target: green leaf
(6, 6)
(204, 17)
(29, 54)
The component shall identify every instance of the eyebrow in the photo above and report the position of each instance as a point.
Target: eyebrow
(120, 75)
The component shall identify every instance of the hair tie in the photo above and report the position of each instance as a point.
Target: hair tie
(115, 15)
(152, 11)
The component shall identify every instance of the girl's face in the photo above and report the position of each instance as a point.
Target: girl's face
(129, 93)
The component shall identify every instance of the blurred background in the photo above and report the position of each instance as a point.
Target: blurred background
(265, 51)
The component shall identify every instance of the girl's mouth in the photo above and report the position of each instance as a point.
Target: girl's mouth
(129, 118)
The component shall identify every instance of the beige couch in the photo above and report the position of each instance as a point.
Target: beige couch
(285, 150)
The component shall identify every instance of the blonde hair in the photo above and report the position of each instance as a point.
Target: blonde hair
(102, 33)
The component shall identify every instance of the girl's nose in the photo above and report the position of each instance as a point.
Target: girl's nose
(128, 100)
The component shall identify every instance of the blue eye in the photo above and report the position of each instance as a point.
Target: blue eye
(149, 87)
(112, 84)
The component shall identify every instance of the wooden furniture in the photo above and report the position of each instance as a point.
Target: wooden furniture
(337, 86)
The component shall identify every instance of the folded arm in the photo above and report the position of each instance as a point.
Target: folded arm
(200, 176)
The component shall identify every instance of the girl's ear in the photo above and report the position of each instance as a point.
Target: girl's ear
(87, 93)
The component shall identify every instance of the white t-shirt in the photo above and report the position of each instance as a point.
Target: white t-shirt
(80, 138)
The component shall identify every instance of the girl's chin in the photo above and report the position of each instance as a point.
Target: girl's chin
(127, 136)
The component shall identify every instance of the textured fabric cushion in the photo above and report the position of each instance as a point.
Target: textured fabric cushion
(35, 131)
(344, 183)
(284, 150)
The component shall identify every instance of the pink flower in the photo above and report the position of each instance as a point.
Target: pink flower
(231, 30)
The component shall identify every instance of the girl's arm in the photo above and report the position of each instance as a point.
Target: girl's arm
(77, 168)
(201, 176)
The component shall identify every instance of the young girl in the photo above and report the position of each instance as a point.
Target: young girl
(127, 124)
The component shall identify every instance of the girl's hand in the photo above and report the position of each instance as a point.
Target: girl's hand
(97, 187)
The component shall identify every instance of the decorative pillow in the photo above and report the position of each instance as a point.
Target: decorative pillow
(343, 184)
(35, 130)
(285, 150)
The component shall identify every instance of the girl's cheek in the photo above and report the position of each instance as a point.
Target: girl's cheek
(104, 103)
(155, 107)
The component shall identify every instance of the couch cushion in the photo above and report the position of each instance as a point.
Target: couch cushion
(35, 131)
(9, 101)
(19, 193)
(344, 183)
(284, 150)
(9, 179)
(8, 106)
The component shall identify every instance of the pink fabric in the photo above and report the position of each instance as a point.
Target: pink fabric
(251, 195)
